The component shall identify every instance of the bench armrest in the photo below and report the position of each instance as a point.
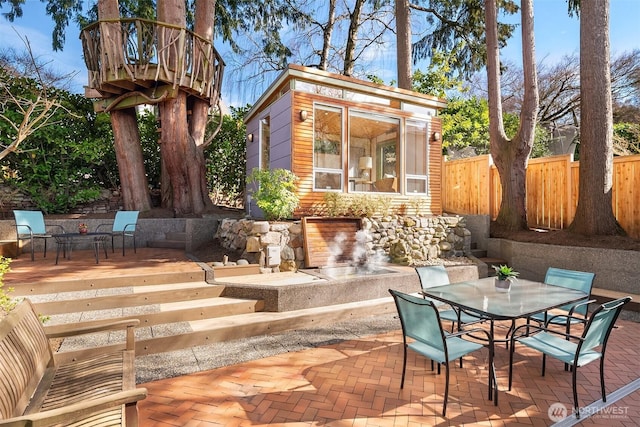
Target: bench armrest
(65, 331)
(77, 411)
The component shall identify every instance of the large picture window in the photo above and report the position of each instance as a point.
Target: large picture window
(327, 148)
(374, 150)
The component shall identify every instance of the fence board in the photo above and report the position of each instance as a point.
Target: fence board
(472, 186)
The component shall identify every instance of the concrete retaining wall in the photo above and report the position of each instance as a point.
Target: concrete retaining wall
(198, 231)
(615, 270)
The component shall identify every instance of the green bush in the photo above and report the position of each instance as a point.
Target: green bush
(358, 205)
(7, 303)
(274, 192)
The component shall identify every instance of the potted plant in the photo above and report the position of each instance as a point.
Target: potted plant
(504, 276)
(82, 228)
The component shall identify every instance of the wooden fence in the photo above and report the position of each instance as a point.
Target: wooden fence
(472, 186)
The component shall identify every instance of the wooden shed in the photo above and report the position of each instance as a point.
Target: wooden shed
(340, 134)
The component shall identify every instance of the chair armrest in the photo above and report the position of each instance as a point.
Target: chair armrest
(77, 411)
(59, 227)
(580, 304)
(514, 335)
(104, 225)
(65, 330)
(126, 227)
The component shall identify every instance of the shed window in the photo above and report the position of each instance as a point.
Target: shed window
(417, 160)
(327, 148)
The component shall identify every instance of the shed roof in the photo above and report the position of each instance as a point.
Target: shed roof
(326, 78)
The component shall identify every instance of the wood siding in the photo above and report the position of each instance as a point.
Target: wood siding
(430, 204)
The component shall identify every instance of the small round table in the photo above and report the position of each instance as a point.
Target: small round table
(66, 240)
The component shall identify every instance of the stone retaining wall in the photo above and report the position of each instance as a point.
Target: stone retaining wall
(401, 239)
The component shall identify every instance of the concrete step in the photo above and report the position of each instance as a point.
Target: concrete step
(479, 253)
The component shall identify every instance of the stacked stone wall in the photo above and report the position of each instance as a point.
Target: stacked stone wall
(400, 239)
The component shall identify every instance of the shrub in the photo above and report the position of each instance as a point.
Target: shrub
(274, 192)
(7, 303)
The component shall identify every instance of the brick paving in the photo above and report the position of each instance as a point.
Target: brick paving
(356, 382)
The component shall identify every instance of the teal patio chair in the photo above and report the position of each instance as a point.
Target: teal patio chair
(420, 322)
(30, 226)
(572, 313)
(575, 351)
(124, 225)
(436, 275)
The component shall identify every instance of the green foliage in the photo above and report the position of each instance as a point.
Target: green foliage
(358, 205)
(626, 137)
(505, 272)
(226, 160)
(465, 123)
(149, 136)
(437, 80)
(7, 303)
(274, 192)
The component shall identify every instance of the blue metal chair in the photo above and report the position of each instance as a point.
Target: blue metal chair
(579, 280)
(436, 275)
(420, 322)
(124, 225)
(30, 225)
(579, 352)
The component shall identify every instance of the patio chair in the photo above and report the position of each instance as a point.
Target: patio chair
(124, 225)
(579, 352)
(436, 275)
(30, 225)
(420, 322)
(572, 313)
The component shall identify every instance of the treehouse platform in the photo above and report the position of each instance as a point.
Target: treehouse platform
(138, 61)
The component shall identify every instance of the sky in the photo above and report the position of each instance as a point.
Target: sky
(556, 33)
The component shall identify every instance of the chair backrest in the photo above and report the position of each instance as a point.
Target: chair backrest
(578, 280)
(29, 219)
(600, 324)
(432, 275)
(419, 319)
(127, 219)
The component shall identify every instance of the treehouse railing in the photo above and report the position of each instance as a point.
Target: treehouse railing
(139, 51)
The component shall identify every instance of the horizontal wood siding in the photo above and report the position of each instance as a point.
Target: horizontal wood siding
(552, 190)
(333, 240)
(303, 152)
(310, 200)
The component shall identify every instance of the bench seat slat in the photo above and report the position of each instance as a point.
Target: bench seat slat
(37, 390)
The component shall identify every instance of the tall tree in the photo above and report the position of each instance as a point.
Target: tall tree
(594, 213)
(453, 26)
(126, 136)
(511, 155)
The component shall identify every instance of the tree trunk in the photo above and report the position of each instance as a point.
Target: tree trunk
(403, 42)
(511, 156)
(182, 139)
(326, 36)
(352, 38)
(133, 179)
(594, 214)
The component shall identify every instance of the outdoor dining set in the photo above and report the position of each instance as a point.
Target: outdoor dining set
(31, 226)
(542, 316)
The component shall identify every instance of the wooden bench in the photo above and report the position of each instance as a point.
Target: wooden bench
(41, 388)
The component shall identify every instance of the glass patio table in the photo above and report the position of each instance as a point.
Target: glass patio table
(525, 298)
(66, 241)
